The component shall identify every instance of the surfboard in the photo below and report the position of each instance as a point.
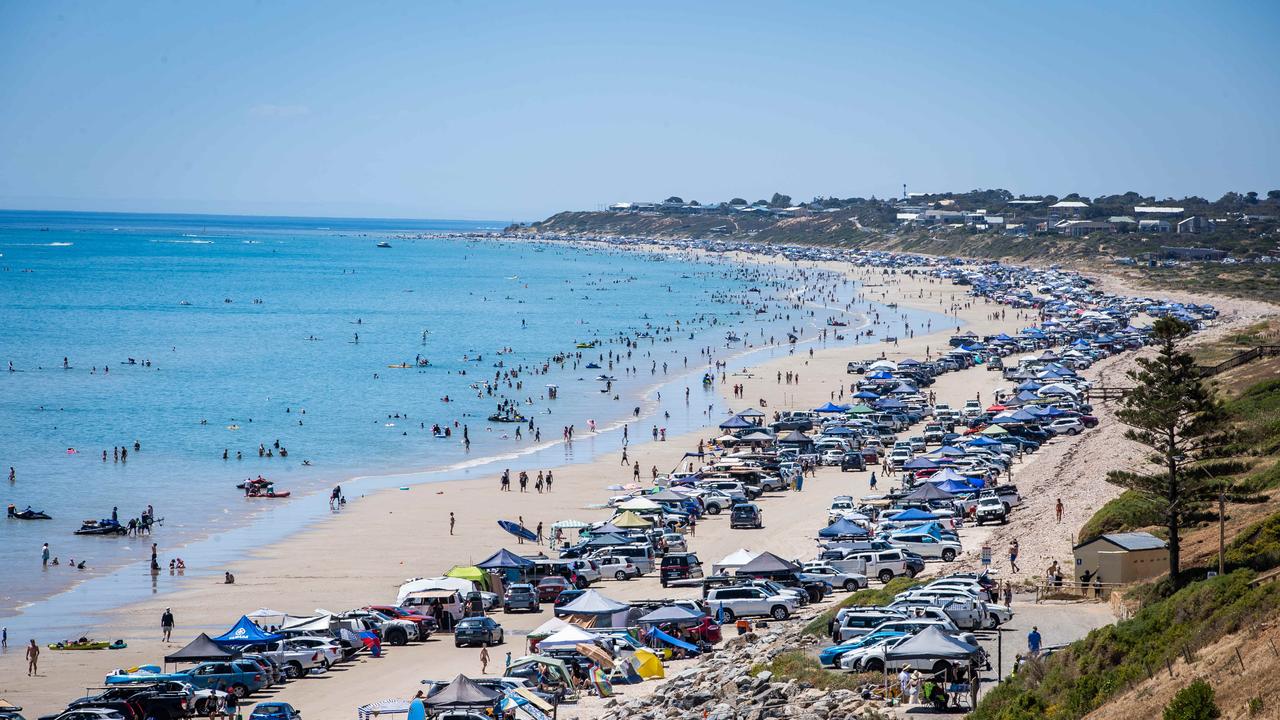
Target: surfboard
(417, 710)
(515, 529)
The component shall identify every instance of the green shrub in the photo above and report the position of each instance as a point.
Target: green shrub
(1257, 547)
(1128, 512)
(882, 595)
(1193, 702)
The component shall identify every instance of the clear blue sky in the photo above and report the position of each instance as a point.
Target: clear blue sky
(517, 110)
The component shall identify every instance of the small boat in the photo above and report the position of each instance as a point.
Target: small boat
(27, 514)
(836, 323)
(586, 345)
(261, 487)
(384, 244)
(102, 527)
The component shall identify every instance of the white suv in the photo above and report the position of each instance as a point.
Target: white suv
(617, 567)
(927, 546)
(744, 601)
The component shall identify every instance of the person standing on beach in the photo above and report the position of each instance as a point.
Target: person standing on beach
(873, 479)
(1013, 556)
(1058, 510)
(33, 659)
(452, 520)
(484, 660)
(166, 623)
(44, 555)
(539, 534)
(624, 455)
(548, 481)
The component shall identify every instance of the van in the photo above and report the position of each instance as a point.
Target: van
(641, 556)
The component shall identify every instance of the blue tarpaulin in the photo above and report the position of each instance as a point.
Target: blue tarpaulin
(673, 641)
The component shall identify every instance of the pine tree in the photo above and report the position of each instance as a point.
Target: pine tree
(1172, 412)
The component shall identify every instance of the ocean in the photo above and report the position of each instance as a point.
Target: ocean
(195, 336)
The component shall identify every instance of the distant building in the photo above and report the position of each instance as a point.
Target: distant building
(1120, 558)
(1194, 224)
(1192, 253)
(1080, 228)
(1157, 210)
(1069, 208)
(1122, 223)
(1154, 226)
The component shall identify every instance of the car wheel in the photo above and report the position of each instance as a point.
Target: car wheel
(1075, 431)
(911, 573)
(885, 576)
(398, 637)
(581, 583)
(948, 555)
(713, 509)
(872, 665)
(850, 585)
(293, 670)
(728, 614)
(622, 575)
(779, 613)
(241, 692)
(457, 644)
(502, 637)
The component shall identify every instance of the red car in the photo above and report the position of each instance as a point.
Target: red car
(426, 624)
(549, 588)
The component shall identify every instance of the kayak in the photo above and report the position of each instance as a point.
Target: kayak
(270, 494)
(508, 418)
(87, 645)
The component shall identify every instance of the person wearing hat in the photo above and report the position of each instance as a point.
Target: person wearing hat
(904, 681)
(166, 623)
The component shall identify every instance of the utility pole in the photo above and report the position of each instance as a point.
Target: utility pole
(1222, 531)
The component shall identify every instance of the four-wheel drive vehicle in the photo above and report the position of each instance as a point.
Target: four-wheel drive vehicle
(333, 649)
(933, 433)
(991, 509)
(391, 630)
(884, 565)
(521, 596)
(549, 588)
(852, 623)
(853, 461)
(294, 660)
(162, 700)
(746, 601)
(746, 515)
(834, 576)
(680, 566)
(617, 567)
(426, 624)
(641, 555)
(89, 713)
(927, 546)
(477, 631)
(239, 676)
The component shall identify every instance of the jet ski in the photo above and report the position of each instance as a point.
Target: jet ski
(28, 514)
(102, 527)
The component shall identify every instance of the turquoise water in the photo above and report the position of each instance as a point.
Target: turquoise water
(214, 375)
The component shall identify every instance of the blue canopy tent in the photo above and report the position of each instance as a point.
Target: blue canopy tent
(843, 528)
(829, 408)
(930, 528)
(676, 642)
(504, 560)
(880, 375)
(984, 441)
(960, 487)
(245, 632)
(948, 451)
(946, 474)
(865, 395)
(919, 463)
(914, 515)
(890, 404)
(908, 362)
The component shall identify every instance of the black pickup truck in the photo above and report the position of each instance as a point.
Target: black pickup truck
(162, 701)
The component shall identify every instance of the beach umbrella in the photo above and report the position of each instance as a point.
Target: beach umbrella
(569, 525)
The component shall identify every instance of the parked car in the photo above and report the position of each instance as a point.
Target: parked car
(927, 546)
(680, 566)
(746, 515)
(991, 509)
(568, 596)
(617, 567)
(1066, 426)
(274, 711)
(836, 578)
(90, 713)
(162, 700)
(549, 588)
(239, 676)
(745, 601)
(426, 623)
(480, 630)
(521, 596)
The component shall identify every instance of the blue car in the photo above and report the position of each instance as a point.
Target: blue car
(241, 677)
(274, 711)
(830, 656)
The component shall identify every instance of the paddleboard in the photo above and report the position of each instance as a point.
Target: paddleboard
(515, 529)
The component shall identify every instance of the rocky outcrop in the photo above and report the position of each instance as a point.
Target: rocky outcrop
(723, 687)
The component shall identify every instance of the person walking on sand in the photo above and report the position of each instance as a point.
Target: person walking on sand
(1058, 510)
(166, 623)
(484, 660)
(539, 534)
(452, 520)
(1013, 556)
(33, 659)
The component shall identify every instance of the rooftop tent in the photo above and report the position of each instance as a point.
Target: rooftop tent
(639, 504)
(831, 408)
(843, 528)
(919, 463)
(865, 395)
(767, 563)
(914, 515)
(568, 637)
(932, 644)
(608, 540)
(737, 422)
(751, 413)
(734, 560)
(927, 491)
(628, 519)
(200, 650)
(504, 560)
(860, 410)
(244, 632)
(462, 692)
(469, 572)
(671, 614)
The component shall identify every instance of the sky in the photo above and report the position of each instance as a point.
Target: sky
(514, 111)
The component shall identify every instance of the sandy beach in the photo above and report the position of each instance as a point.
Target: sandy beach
(363, 554)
